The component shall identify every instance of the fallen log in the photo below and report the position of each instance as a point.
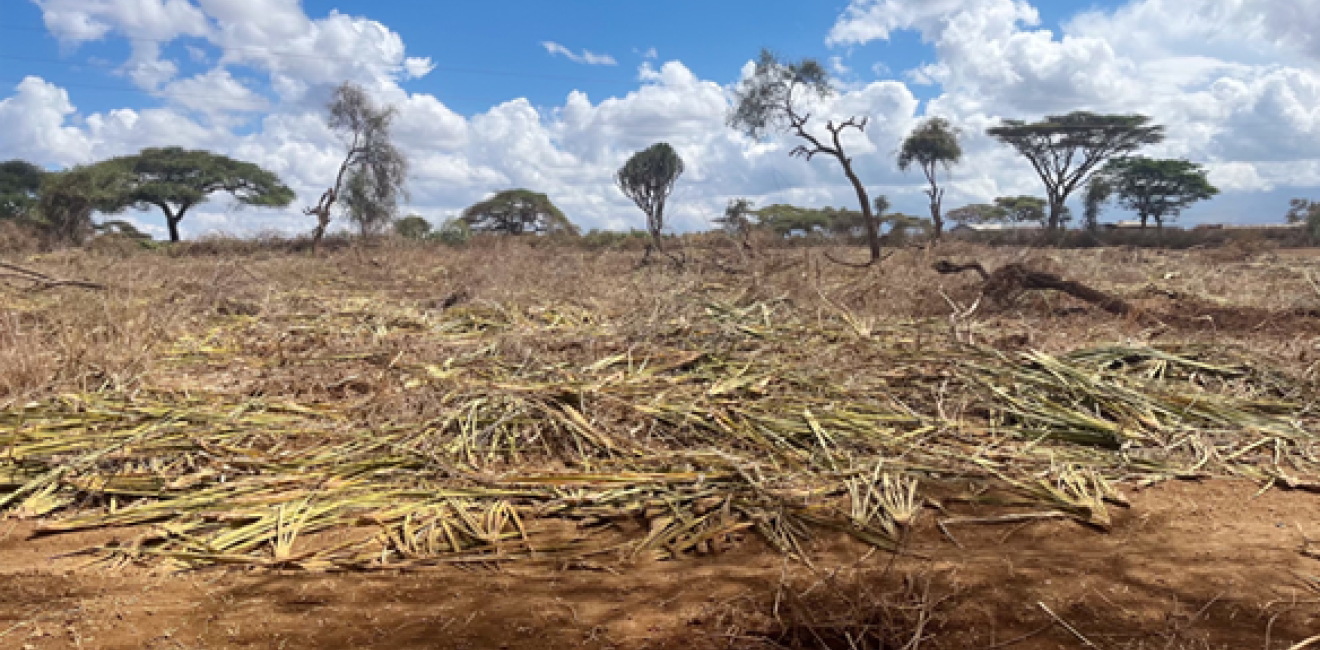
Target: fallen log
(1008, 282)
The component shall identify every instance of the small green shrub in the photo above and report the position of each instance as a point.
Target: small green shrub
(453, 232)
(413, 227)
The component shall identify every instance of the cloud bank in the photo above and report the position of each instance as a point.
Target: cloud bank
(1235, 81)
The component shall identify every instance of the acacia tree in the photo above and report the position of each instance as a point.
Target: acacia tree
(1154, 189)
(1066, 149)
(20, 185)
(69, 198)
(933, 144)
(515, 212)
(977, 213)
(772, 99)
(783, 219)
(174, 180)
(373, 168)
(901, 227)
(648, 179)
(1025, 209)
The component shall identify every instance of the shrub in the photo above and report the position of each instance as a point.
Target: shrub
(412, 227)
(453, 232)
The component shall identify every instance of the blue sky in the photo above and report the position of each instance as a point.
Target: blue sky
(490, 52)
(488, 105)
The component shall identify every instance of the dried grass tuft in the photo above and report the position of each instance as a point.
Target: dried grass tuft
(339, 412)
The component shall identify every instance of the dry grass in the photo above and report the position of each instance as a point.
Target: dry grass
(284, 410)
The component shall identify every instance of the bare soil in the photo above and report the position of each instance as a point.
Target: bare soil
(1215, 564)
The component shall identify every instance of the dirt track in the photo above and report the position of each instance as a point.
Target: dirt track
(1188, 566)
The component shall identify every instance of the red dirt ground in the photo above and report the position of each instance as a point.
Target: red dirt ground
(1190, 565)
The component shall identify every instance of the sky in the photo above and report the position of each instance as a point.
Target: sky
(555, 96)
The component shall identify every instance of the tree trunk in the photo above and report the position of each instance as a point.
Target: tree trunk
(322, 214)
(655, 224)
(936, 198)
(872, 229)
(172, 220)
(935, 215)
(1056, 213)
(322, 209)
(1010, 280)
(322, 222)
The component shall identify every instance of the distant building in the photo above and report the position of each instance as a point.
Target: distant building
(1249, 226)
(1123, 225)
(1265, 226)
(968, 228)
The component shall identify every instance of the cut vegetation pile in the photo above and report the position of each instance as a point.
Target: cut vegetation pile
(559, 433)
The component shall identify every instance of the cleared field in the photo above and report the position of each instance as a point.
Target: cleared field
(790, 451)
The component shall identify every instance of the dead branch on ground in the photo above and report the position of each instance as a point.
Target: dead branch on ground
(678, 262)
(40, 281)
(1012, 280)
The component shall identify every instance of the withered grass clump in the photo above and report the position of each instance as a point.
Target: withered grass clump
(404, 406)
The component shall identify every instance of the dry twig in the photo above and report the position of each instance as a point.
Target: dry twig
(40, 281)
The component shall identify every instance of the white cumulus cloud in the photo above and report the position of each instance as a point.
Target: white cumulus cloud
(215, 91)
(1235, 81)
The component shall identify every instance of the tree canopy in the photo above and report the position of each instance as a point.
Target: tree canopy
(1023, 209)
(515, 212)
(175, 179)
(454, 231)
(1305, 212)
(412, 227)
(783, 219)
(1153, 188)
(773, 99)
(1006, 209)
(372, 176)
(933, 144)
(901, 226)
(977, 213)
(736, 219)
(20, 186)
(69, 198)
(648, 179)
(1066, 149)
(769, 101)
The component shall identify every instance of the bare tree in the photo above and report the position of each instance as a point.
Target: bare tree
(374, 169)
(771, 100)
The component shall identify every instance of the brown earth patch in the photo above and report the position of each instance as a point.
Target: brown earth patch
(1189, 565)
